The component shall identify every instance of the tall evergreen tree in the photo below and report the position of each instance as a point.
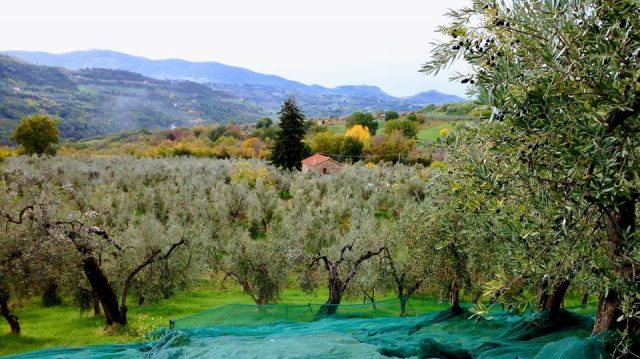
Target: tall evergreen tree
(289, 150)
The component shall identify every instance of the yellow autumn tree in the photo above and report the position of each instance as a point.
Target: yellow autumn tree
(360, 133)
(251, 173)
(251, 147)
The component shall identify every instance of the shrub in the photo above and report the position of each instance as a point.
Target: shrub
(406, 127)
(363, 119)
(37, 134)
(391, 115)
(351, 148)
(360, 133)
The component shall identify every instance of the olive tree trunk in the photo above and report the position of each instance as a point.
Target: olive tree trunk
(371, 297)
(620, 226)
(404, 298)
(11, 318)
(403, 305)
(405, 294)
(454, 297)
(336, 290)
(338, 285)
(51, 295)
(552, 302)
(103, 290)
(96, 305)
(585, 300)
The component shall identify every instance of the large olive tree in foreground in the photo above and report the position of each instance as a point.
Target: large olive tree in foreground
(562, 77)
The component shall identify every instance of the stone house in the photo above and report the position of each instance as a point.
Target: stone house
(321, 165)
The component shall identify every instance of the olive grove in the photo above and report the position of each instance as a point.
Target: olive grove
(106, 230)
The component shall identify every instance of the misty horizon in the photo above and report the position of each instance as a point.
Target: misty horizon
(329, 44)
(11, 52)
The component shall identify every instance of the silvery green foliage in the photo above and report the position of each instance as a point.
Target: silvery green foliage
(143, 205)
(561, 80)
(371, 281)
(250, 229)
(28, 264)
(336, 216)
(258, 266)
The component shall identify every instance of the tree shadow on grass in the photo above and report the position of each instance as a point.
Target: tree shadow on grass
(13, 344)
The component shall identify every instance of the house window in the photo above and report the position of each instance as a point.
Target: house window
(324, 171)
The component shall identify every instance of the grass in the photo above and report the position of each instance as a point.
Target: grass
(430, 131)
(337, 128)
(66, 326)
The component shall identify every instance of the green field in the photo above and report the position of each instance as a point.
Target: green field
(340, 128)
(431, 131)
(337, 128)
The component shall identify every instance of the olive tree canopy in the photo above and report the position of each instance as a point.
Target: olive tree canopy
(561, 79)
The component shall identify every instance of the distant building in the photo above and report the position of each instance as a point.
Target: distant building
(321, 165)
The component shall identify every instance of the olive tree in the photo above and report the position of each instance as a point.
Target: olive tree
(405, 260)
(258, 266)
(116, 235)
(561, 78)
(331, 227)
(527, 232)
(369, 281)
(342, 257)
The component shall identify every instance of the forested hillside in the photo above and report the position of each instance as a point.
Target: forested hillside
(266, 91)
(92, 102)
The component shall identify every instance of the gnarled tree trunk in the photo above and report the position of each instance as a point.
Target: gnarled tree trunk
(51, 297)
(454, 297)
(336, 290)
(405, 294)
(585, 300)
(103, 290)
(552, 302)
(619, 222)
(11, 318)
(337, 285)
(477, 294)
(96, 305)
(404, 298)
(371, 297)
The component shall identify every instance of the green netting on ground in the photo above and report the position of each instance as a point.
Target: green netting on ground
(251, 315)
(354, 333)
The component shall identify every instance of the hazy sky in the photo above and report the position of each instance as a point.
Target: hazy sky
(328, 42)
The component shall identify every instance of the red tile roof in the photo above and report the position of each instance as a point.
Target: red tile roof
(315, 160)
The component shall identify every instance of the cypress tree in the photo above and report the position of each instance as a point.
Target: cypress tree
(289, 150)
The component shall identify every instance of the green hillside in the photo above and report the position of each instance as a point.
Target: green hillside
(92, 102)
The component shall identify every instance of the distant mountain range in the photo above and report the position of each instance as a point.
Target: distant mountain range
(91, 102)
(134, 92)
